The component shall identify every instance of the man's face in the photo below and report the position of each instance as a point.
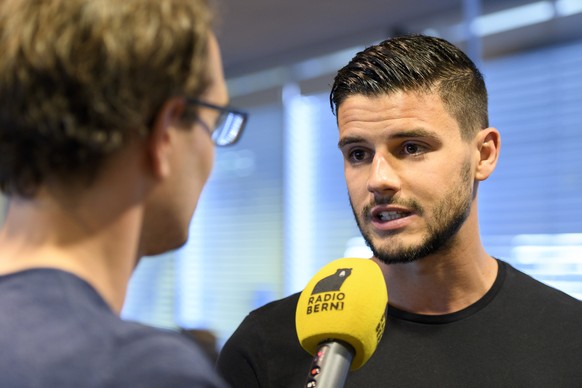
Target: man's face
(199, 146)
(409, 173)
(191, 163)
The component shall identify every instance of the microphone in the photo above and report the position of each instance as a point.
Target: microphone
(340, 319)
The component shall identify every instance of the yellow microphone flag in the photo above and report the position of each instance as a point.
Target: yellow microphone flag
(346, 300)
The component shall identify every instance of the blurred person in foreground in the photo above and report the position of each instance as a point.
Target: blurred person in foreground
(416, 142)
(109, 114)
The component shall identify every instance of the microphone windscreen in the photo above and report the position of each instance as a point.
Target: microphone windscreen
(346, 300)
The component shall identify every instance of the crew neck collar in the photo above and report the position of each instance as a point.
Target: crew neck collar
(458, 315)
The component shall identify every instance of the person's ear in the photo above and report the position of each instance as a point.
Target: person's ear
(488, 143)
(160, 140)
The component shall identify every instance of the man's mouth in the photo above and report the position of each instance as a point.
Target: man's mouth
(386, 216)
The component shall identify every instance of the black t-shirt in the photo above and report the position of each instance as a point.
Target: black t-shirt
(57, 332)
(521, 333)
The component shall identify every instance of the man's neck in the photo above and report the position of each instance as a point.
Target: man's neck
(98, 243)
(439, 284)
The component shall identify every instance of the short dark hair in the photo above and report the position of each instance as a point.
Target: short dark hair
(418, 63)
(78, 78)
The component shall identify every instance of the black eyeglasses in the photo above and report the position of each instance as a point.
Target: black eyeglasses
(228, 127)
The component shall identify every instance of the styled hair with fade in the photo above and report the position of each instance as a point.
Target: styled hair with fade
(418, 63)
(79, 78)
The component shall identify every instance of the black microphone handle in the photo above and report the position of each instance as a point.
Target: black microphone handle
(331, 364)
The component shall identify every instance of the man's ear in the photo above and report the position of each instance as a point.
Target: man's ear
(488, 143)
(159, 142)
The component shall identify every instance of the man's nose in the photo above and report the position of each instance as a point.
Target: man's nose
(383, 177)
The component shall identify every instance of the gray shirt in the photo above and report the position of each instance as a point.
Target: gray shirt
(56, 331)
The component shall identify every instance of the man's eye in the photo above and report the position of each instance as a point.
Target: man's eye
(413, 149)
(357, 155)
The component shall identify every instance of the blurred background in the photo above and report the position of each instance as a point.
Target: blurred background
(276, 207)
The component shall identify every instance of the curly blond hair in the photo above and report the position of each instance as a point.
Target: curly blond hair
(79, 77)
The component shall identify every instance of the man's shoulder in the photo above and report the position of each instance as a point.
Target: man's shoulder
(264, 349)
(523, 286)
(271, 323)
(540, 306)
(278, 309)
(274, 317)
(63, 313)
(150, 354)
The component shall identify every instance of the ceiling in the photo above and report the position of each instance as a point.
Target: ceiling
(260, 34)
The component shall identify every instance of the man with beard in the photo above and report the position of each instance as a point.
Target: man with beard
(416, 142)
